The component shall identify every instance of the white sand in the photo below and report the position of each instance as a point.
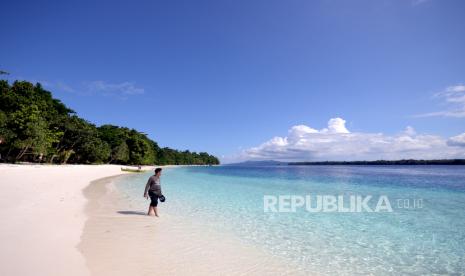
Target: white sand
(42, 217)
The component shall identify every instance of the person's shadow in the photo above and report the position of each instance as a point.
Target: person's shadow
(136, 213)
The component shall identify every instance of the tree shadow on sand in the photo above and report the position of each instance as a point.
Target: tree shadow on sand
(136, 213)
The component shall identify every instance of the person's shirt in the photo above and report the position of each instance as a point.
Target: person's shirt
(154, 185)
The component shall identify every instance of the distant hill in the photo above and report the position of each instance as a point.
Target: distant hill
(386, 162)
(333, 163)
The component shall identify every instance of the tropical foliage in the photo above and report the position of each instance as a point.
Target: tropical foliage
(35, 127)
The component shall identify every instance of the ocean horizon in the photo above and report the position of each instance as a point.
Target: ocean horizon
(423, 233)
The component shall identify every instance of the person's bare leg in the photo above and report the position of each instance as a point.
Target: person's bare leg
(155, 210)
(150, 212)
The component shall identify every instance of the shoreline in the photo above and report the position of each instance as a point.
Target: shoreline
(71, 220)
(120, 239)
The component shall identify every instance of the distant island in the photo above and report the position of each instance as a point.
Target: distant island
(387, 162)
(35, 127)
(377, 162)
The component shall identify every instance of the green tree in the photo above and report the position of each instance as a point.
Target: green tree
(34, 126)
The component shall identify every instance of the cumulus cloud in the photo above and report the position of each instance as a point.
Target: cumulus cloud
(114, 89)
(454, 98)
(336, 125)
(336, 142)
(410, 131)
(458, 141)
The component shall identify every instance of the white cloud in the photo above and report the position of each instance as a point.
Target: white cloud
(114, 89)
(121, 90)
(410, 131)
(454, 98)
(457, 141)
(336, 125)
(336, 142)
(50, 85)
(61, 86)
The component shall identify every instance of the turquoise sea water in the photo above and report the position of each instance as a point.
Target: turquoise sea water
(428, 239)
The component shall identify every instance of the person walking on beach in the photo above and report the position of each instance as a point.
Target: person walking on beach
(153, 190)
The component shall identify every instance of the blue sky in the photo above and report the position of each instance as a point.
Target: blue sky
(228, 76)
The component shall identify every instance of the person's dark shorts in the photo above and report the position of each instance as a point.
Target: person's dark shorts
(153, 199)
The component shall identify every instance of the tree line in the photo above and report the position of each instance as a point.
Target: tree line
(386, 162)
(35, 127)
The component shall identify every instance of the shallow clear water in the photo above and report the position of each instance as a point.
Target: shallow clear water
(416, 241)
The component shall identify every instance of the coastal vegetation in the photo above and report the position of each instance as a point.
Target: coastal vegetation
(387, 162)
(362, 163)
(35, 127)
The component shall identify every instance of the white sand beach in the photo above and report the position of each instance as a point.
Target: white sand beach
(54, 222)
(42, 213)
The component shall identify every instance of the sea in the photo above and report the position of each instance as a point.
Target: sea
(324, 218)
